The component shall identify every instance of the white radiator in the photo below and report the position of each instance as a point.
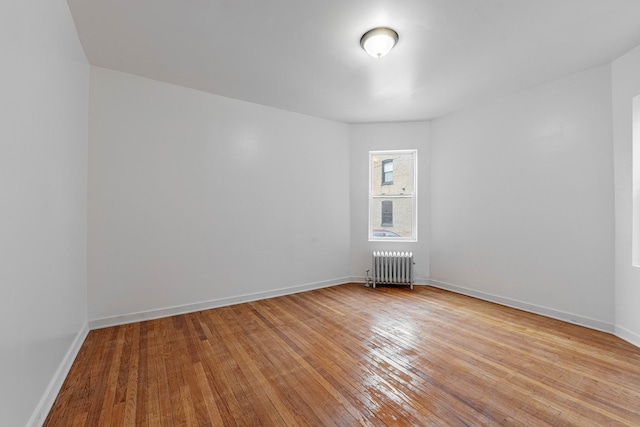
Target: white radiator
(392, 268)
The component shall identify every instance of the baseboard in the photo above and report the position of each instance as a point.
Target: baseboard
(628, 336)
(48, 398)
(532, 308)
(222, 302)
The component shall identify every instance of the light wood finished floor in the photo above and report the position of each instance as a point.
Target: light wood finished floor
(350, 355)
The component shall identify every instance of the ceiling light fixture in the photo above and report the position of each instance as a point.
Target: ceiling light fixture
(379, 41)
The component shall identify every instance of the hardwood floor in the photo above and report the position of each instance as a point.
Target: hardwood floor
(350, 355)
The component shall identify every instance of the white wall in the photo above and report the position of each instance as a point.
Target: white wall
(43, 178)
(387, 136)
(625, 86)
(522, 200)
(200, 200)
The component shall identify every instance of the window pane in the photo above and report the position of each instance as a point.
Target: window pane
(387, 172)
(387, 213)
(401, 212)
(395, 168)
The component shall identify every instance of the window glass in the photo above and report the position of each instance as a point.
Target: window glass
(387, 172)
(392, 198)
(387, 213)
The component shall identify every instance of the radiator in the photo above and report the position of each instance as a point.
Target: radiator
(393, 268)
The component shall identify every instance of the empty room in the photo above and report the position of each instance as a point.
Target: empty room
(290, 213)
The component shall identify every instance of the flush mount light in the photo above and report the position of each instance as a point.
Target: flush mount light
(379, 41)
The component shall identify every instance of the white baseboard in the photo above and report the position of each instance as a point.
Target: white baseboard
(532, 308)
(190, 308)
(48, 398)
(628, 336)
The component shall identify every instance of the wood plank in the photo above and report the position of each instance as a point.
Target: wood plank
(350, 355)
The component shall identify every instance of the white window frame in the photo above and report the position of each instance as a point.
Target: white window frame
(414, 197)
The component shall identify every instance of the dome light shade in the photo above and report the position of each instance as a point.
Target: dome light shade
(379, 41)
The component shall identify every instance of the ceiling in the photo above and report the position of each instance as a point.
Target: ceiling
(305, 56)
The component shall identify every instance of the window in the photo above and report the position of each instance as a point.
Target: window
(387, 172)
(393, 195)
(387, 213)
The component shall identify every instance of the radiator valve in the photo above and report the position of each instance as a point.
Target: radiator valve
(368, 281)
